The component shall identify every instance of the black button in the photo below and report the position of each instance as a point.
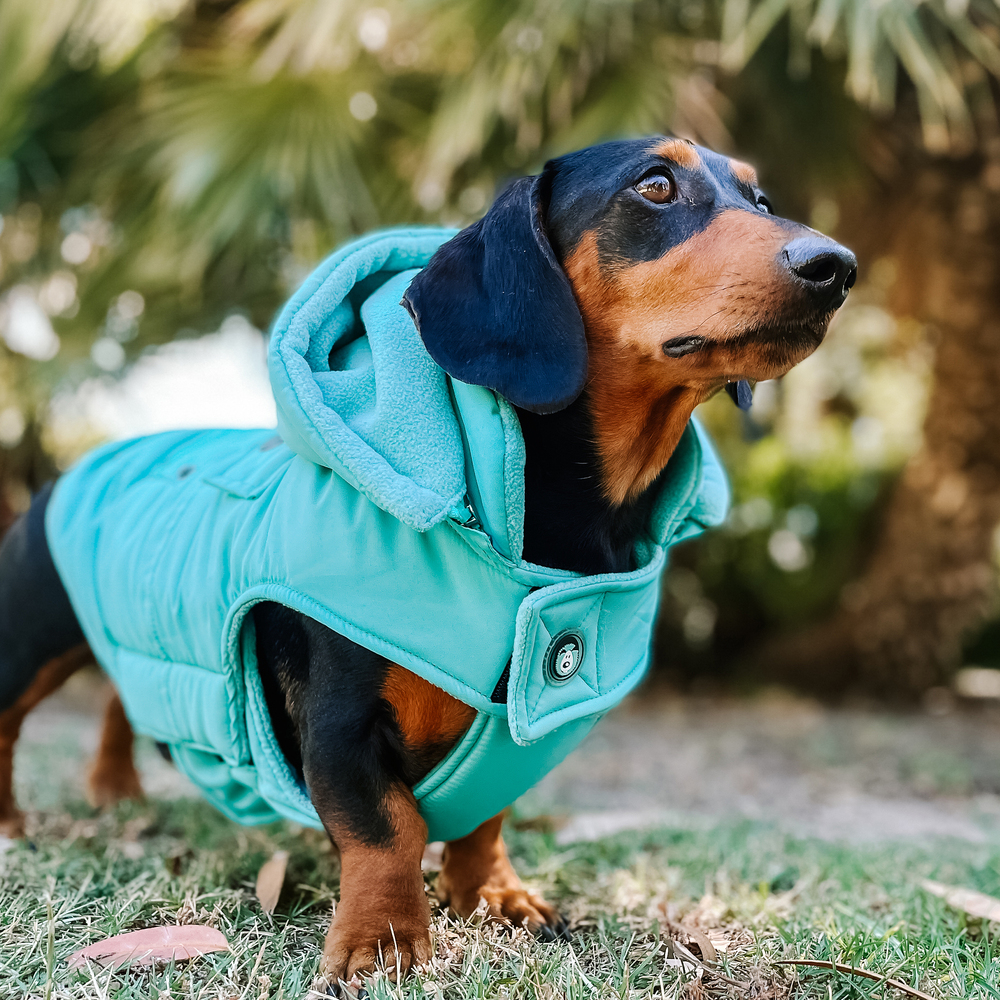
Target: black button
(564, 656)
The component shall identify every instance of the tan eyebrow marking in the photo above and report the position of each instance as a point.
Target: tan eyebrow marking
(743, 172)
(680, 152)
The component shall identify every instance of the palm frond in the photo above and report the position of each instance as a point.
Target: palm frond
(931, 42)
(552, 75)
(30, 31)
(299, 36)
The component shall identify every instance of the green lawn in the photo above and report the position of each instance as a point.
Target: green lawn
(758, 894)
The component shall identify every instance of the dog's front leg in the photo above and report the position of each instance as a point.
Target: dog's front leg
(477, 868)
(383, 916)
(326, 702)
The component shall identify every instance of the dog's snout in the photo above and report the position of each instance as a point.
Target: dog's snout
(825, 268)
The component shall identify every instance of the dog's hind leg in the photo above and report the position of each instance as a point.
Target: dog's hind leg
(47, 680)
(37, 622)
(41, 642)
(113, 776)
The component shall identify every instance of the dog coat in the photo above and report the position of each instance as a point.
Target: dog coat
(389, 506)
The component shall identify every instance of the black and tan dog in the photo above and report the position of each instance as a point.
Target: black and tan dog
(685, 283)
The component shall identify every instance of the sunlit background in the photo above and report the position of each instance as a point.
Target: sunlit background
(171, 170)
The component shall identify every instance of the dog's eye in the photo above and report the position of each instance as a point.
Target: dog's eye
(657, 188)
(764, 205)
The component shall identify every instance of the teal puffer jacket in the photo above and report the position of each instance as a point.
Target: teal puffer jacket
(389, 505)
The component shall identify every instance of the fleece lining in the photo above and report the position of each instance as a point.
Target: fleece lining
(355, 387)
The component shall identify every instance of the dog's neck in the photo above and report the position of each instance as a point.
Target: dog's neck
(636, 413)
(637, 418)
(571, 519)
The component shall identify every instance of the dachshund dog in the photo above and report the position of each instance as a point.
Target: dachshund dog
(685, 283)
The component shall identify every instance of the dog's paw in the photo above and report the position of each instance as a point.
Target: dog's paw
(352, 952)
(519, 907)
(107, 786)
(354, 990)
(502, 898)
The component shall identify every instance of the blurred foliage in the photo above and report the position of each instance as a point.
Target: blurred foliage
(166, 163)
(809, 467)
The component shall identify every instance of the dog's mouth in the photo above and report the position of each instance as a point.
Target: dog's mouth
(781, 344)
(678, 347)
(768, 345)
(753, 355)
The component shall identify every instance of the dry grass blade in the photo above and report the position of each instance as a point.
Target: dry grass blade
(270, 879)
(850, 970)
(976, 904)
(155, 944)
(687, 956)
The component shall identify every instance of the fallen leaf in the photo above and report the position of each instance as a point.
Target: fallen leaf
(864, 973)
(155, 944)
(270, 879)
(976, 904)
(701, 939)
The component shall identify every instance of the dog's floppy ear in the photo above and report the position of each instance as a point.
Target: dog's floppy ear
(494, 307)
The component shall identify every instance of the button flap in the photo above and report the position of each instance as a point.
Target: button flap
(580, 646)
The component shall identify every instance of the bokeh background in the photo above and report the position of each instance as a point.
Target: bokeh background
(170, 170)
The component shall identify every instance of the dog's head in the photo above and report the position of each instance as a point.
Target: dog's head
(651, 272)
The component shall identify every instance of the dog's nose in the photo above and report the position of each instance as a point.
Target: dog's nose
(827, 269)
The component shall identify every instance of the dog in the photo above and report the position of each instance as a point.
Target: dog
(600, 302)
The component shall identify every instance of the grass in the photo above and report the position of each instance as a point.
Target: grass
(760, 896)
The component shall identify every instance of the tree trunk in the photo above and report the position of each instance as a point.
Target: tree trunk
(931, 577)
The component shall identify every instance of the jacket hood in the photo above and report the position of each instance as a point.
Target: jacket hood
(355, 389)
(357, 392)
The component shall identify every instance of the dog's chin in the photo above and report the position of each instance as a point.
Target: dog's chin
(771, 351)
